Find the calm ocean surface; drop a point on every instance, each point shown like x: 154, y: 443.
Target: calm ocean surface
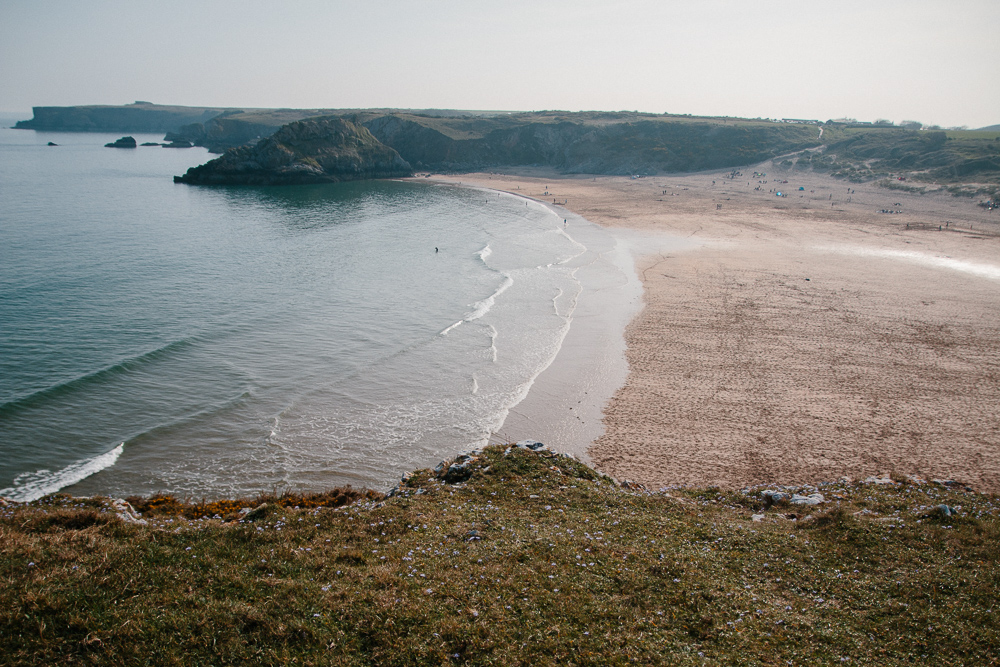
x: 219, y: 341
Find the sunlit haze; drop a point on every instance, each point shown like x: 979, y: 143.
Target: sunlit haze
x: 923, y: 60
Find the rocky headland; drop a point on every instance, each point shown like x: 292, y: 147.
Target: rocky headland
x: 136, y: 117
x: 320, y: 150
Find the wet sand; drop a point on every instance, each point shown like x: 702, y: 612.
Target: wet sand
x: 797, y: 339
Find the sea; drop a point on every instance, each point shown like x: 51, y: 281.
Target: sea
x: 215, y: 342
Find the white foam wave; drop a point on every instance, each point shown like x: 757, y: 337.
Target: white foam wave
x: 275, y: 427
x: 582, y: 248
x: 34, y: 485
x: 480, y: 308
x: 484, y: 306
x: 493, y: 344
x: 485, y: 252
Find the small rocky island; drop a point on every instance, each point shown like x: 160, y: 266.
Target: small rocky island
x: 124, y: 142
x: 317, y: 150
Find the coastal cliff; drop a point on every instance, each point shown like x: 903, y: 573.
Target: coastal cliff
x: 136, y: 117
x: 319, y: 150
x: 386, y: 145
x: 587, y: 142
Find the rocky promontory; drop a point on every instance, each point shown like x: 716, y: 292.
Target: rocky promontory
x: 318, y: 150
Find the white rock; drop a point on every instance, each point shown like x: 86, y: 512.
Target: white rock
x: 126, y: 512
x: 533, y: 445
x: 811, y: 499
x: 757, y: 517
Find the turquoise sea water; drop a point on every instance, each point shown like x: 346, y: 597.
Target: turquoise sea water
x: 218, y: 341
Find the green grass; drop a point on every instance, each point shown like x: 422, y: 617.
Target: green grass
x: 535, y: 559
x: 934, y: 156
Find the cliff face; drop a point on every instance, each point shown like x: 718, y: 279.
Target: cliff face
x: 320, y: 150
x: 222, y: 133
x: 575, y: 144
x: 138, y: 117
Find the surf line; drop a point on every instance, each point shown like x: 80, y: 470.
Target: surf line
x: 480, y: 308
x: 34, y: 485
x: 484, y: 306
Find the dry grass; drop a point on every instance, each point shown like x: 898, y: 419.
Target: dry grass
x: 535, y: 559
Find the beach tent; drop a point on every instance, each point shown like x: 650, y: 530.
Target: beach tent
x: 801, y: 188
x: 779, y: 194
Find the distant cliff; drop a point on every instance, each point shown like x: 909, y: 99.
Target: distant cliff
x: 138, y: 117
x: 318, y: 150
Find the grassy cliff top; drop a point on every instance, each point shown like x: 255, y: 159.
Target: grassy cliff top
x: 533, y: 558
x: 473, y: 126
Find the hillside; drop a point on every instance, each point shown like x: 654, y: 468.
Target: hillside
x: 509, y: 556
x: 621, y: 143
x: 929, y: 156
x: 588, y: 142
x: 572, y: 143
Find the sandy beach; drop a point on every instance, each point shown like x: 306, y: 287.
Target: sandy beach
x: 796, y: 339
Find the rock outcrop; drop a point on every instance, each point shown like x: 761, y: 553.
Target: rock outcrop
x: 124, y: 142
x: 318, y: 150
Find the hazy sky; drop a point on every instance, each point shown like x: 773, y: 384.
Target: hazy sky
x: 931, y: 61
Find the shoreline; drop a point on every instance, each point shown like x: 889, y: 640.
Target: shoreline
x: 809, y: 338
x: 562, y: 405
x: 727, y: 382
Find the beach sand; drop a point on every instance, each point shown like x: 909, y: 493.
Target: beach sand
x: 797, y: 339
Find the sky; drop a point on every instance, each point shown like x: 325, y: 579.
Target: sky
x: 932, y: 61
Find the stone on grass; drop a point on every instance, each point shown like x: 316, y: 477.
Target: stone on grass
x: 811, y: 499
x: 126, y: 512
x: 944, y: 511
x: 879, y: 479
x: 533, y: 445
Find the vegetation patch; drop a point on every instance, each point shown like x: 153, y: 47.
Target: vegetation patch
x: 863, y: 154
x: 534, y: 558
x: 890, y: 184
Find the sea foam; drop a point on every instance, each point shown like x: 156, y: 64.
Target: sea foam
x: 480, y: 308
x: 34, y: 485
